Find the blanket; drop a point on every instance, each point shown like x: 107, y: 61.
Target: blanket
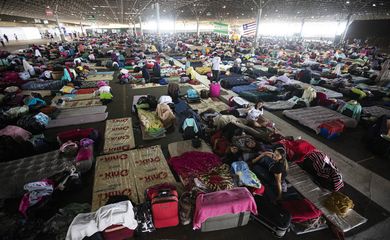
x: 192, y: 164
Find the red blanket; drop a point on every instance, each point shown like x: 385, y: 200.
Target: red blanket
x: 301, y: 210
x: 297, y: 150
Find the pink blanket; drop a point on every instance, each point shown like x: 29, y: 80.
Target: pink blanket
x: 220, y: 203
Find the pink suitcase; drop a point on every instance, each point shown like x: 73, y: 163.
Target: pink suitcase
x: 215, y: 89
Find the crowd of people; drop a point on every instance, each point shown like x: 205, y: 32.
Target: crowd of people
x: 240, y: 136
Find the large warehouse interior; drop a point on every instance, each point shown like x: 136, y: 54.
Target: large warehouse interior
x: 194, y: 119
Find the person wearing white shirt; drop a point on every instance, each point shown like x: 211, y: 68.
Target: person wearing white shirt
x: 215, y: 67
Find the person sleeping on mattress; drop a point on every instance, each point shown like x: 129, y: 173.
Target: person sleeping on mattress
x: 252, y: 113
x: 271, y: 168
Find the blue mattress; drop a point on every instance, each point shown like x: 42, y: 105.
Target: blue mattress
x: 239, y: 89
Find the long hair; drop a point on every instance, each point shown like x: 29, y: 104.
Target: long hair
x: 283, y: 153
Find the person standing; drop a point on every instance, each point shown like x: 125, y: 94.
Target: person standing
x: 6, y: 38
x: 16, y: 37
x: 2, y: 41
x: 215, y: 67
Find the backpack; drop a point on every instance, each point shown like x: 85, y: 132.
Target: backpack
x: 173, y: 91
x: 204, y: 93
x: 190, y: 124
x: 192, y: 96
x: 189, y: 129
x: 149, y: 102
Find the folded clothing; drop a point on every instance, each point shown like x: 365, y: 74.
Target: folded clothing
x: 86, y: 224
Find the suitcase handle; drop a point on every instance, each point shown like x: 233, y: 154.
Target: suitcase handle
x: 164, y: 192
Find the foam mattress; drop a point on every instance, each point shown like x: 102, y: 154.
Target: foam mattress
x: 313, y: 117
x: 15, y: 174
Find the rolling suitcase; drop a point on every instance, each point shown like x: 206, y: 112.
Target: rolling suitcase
x: 223, y: 209
x: 117, y: 232
x: 215, y: 89
x: 164, y: 205
x: 272, y: 216
x: 331, y: 129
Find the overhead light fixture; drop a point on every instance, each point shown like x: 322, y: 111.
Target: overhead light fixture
x: 93, y: 8
x: 276, y: 10
x: 227, y: 13
x: 298, y: 12
x: 182, y: 10
x: 223, y: 6
x: 374, y: 5
x: 347, y: 2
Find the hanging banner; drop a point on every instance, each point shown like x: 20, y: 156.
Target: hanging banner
x: 221, y: 28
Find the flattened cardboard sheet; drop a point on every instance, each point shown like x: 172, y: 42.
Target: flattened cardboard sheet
x: 113, y: 176
x: 119, y: 135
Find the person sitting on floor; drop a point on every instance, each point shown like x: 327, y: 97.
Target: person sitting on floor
x: 272, y: 167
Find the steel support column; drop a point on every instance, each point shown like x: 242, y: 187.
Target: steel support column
x: 342, y: 39
x: 158, y: 18
x: 259, y: 12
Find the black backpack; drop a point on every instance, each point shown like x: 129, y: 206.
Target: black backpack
x: 189, y: 133
x: 204, y: 93
x: 150, y: 100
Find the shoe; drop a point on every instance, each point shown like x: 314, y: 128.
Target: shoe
x: 386, y: 137
x: 185, y: 208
